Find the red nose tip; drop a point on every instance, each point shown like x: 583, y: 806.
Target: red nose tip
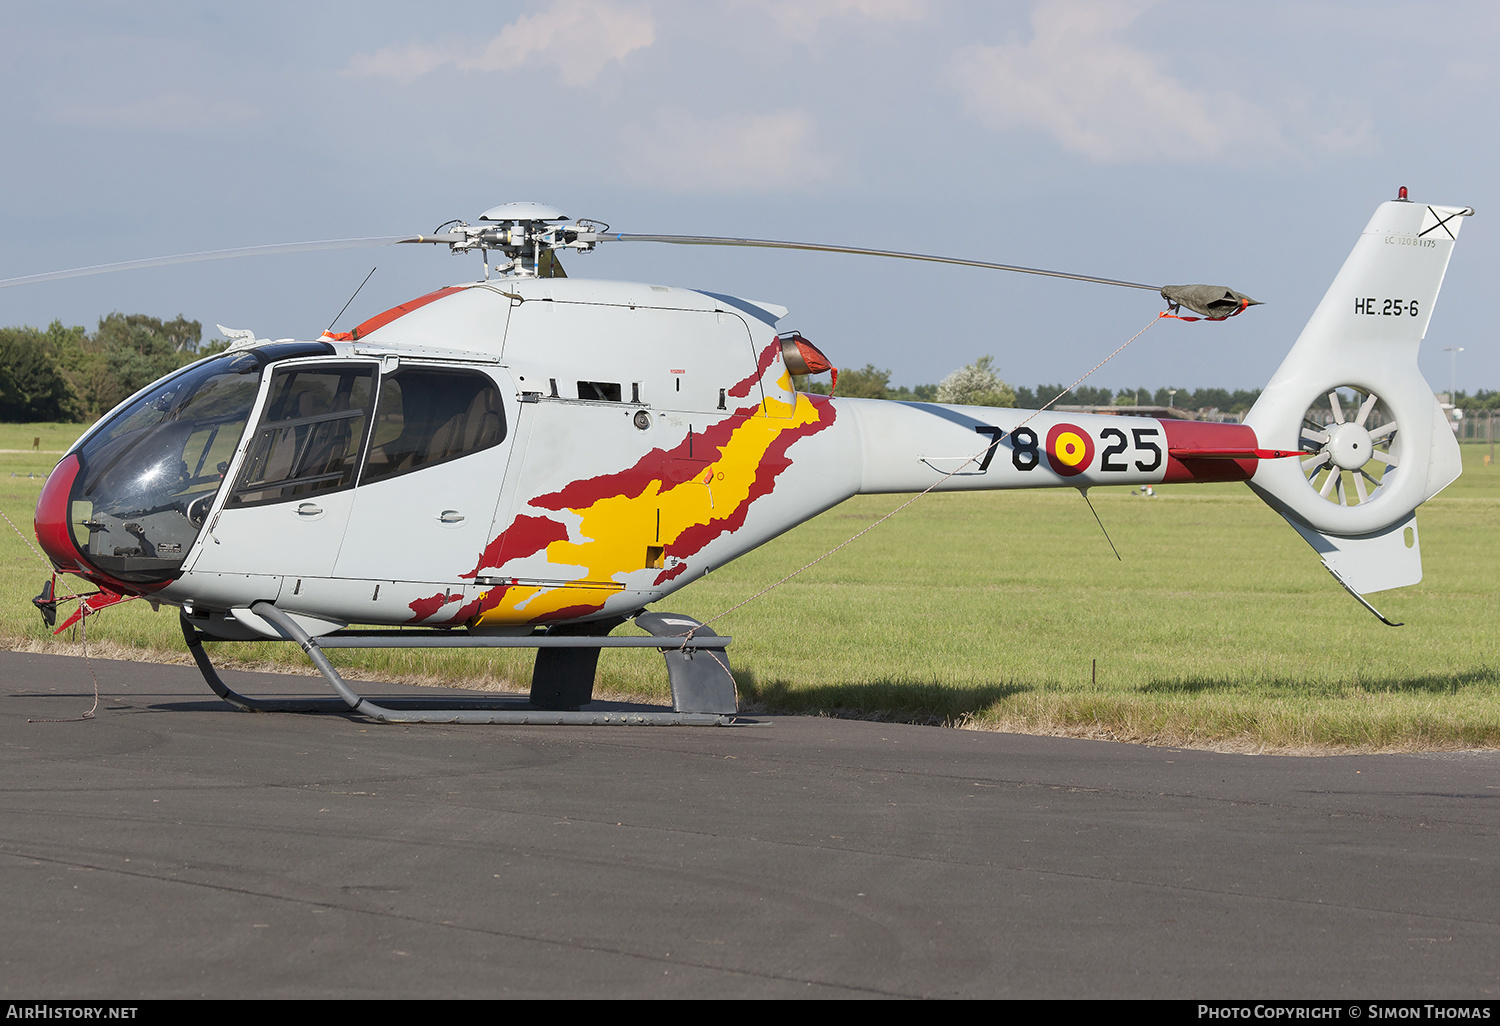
x: 51, y: 522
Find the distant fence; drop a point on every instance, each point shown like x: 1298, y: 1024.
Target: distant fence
x: 1321, y: 417
x: 1477, y: 427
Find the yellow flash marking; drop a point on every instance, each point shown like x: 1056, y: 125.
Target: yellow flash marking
x: 614, y: 531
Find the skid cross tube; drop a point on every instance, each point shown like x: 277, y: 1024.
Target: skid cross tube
x: 445, y: 710
x: 409, y: 639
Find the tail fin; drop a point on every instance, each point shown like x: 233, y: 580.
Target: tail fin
x: 1374, y: 458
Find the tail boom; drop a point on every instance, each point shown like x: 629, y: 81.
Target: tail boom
x: 908, y: 447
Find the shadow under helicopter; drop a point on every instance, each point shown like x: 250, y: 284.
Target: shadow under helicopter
x: 940, y: 704
x: 889, y: 701
x: 926, y: 703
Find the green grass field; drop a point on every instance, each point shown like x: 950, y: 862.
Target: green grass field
x: 1220, y: 628
x: 49, y: 438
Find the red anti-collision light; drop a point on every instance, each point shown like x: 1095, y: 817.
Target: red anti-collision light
x: 51, y: 523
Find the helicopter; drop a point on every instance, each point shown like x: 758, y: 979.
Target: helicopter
x: 530, y: 459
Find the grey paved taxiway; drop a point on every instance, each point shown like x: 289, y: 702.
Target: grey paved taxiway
x: 174, y: 847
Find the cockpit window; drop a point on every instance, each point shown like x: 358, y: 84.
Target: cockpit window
x: 429, y: 416
x: 151, y: 471
x: 310, y: 436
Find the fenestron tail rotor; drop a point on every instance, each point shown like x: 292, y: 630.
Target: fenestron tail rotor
x: 1350, y: 452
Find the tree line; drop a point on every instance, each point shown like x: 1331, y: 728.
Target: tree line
x: 68, y: 374
x: 1483, y: 399
x: 979, y: 384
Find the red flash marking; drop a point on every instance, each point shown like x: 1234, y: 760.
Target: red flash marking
x: 483, y: 604
x: 652, y: 468
x: 422, y: 608
x: 569, y: 612
x: 770, y: 467
x: 669, y: 575
x: 528, y: 534
x: 525, y: 536
x: 767, y: 357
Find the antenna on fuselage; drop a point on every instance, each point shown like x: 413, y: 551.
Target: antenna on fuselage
x: 1085, y: 493
x: 351, y: 299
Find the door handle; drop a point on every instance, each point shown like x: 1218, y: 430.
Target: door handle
x: 309, y: 510
x: 450, y: 517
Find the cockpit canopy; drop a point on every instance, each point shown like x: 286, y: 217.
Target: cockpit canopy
x: 148, y: 474
x: 134, y: 495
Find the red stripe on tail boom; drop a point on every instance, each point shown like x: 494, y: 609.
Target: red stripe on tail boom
x: 1211, y: 446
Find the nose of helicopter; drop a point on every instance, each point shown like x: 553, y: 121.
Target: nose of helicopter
x: 53, y: 532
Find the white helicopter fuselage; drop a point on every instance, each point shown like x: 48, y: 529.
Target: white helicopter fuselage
x: 534, y: 451
x: 639, y: 436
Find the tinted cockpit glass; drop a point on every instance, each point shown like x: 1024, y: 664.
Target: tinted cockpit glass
x: 150, y: 473
x: 310, y: 436
x: 429, y: 416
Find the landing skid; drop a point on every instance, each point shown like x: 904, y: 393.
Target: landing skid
x: 703, y: 692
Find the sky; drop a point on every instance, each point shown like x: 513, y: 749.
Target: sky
x: 1243, y: 144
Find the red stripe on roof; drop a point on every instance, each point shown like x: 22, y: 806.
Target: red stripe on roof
x: 380, y: 320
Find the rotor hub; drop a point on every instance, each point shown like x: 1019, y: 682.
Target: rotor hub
x: 1349, y: 446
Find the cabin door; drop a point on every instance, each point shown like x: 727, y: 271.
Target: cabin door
x: 431, y: 478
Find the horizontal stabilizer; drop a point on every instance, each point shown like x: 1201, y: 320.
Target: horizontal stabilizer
x: 1391, y: 558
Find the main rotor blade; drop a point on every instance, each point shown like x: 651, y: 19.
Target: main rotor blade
x: 216, y: 254
x: 714, y: 240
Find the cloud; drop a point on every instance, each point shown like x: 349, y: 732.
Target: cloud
x: 734, y: 153
x: 1099, y: 96
x: 405, y: 64
x: 801, y: 19
x: 580, y: 37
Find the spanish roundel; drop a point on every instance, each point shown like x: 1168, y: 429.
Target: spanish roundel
x: 1070, y: 450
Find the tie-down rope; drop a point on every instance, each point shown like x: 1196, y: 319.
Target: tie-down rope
x: 83, y: 632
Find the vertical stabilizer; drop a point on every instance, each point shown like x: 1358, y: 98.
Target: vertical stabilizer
x: 1350, y: 396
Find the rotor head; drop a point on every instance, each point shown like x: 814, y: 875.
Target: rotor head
x: 527, y: 233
